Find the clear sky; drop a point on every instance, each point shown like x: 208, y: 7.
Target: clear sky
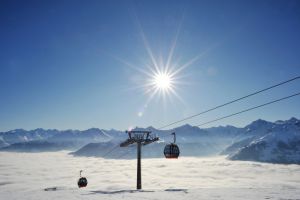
x: 80, y: 64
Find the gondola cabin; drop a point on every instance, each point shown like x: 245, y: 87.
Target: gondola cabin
x: 172, y: 150
x: 82, y: 181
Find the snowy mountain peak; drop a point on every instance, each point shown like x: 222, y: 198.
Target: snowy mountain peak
x: 19, y: 130
x: 151, y: 128
x: 92, y: 130
x: 188, y: 128
x: 259, y: 123
x: 293, y: 120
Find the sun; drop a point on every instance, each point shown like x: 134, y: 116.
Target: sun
x: 162, y: 75
x: 162, y: 81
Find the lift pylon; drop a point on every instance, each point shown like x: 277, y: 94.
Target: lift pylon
x: 140, y: 138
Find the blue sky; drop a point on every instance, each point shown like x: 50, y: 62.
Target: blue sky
x: 63, y: 63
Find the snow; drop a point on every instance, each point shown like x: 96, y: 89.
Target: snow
x: 27, y: 175
x: 272, y: 151
x: 107, y: 135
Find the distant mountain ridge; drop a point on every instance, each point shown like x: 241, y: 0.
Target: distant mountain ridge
x: 276, y: 142
x: 23, y: 140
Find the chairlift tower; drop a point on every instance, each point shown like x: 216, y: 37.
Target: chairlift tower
x: 140, y: 138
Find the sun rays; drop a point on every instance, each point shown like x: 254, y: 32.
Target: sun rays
x: 161, y: 77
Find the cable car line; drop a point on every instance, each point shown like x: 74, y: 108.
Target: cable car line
x: 124, y: 154
x: 110, y: 151
x: 252, y: 108
x: 175, y: 151
x: 230, y: 102
x: 222, y: 105
x: 171, y: 150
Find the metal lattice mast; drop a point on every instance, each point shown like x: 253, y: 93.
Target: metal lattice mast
x: 140, y: 138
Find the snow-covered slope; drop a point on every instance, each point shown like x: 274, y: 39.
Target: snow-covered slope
x: 280, y: 143
x: 3, y: 143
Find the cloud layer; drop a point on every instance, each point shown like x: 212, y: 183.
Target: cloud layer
x: 26, y: 175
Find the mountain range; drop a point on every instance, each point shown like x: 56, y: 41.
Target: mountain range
x: 263, y: 141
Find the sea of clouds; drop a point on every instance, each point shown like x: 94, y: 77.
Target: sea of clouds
x: 27, y: 175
